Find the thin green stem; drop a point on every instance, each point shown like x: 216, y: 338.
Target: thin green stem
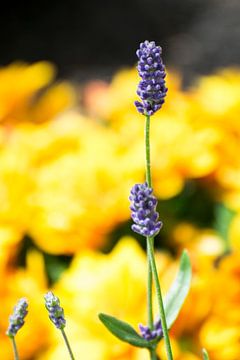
x: 147, y: 148
x: 67, y: 344
x: 149, y: 182
x: 160, y: 301
x: 149, y: 291
x: 15, y: 351
x: 152, y: 270
x: 153, y: 354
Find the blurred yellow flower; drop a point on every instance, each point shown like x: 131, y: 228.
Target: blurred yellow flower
x: 234, y: 233
x: 64, y: 172
x: 220, y: 333
x: 30, y: 283
x: 9, y: 242
x: 81, y: 183
x: 65, y: 181
x: 20, y: 98
x: 91, y: 285
x: 114, y: 284
x: 180, y: 149
x: 15, y: 186
x: 217, y: 102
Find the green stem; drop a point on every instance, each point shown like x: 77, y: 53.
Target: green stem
x: 149, y: 291
x: 160, y: 301
x: 16, y: 357
x: 152, y: 269
x: 149, y: 182
x: 153, y: 354
x: 147, y: 147
x: 67, y: 344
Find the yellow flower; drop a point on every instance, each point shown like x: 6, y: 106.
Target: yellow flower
x: 9, y: 242
x: 15, y: 186
x: 64, y: 172
x: 18, y: 84
x: 115, y: 284
x: 80, y: 182
x: 180, y: 149
x: 217, y: 102
x: 30, y: 283
x: 220, y: 333
x: 234, y: 232
x: 204, y: 247
x: 20, y: 99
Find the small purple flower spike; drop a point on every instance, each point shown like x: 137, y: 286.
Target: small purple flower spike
x: 143, y: 207
x: 16, y: 320
x: 148, y: 334
x: 151, y: 89
x: 56, y: 312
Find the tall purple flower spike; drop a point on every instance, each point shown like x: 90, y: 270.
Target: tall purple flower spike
x: 148, y: 334
x: 16, y: 320
x: 151, y: 89
x: 143, y: 207
x: 56, y: 312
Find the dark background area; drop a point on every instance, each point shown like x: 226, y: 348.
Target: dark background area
x: 87, y: 39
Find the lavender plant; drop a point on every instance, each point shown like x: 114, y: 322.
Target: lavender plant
x: 16, y: 321
x: 56, y: 315
x: 152, y: 91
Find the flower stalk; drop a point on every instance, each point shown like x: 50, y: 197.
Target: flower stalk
x: 152, y: 91
x: 15, y: 351
x: 160, y: 300
x: 56, y: 315
x: 149, y: 182
x: 67, y: 344
x: 153, y: 354
x: 16, y: 322
x: 152, y: 269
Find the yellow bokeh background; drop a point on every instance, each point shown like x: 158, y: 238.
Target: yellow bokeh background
x: 66, y: 170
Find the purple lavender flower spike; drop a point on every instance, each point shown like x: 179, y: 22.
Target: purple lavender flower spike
x: 151, y: 89
x: 148, y: 334
x: 56, y: 312
x: 143, y: 207
x: 16, y: 320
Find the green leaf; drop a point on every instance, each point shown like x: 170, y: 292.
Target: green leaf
x: 179, y: 290
x: 205, y: 354
x: 125, y: 332
x: 223, y: 218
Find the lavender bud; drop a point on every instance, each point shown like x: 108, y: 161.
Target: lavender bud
x: 148, y: 334
x: 56, y: 312
x: 16, y: 320
x: 151, y: 89
x: 143, y: 210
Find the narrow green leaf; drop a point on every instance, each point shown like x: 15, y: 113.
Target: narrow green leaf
x: 124, y: 332
x: 223, y: 217
x: 205, y: 354
x: 179, y: 290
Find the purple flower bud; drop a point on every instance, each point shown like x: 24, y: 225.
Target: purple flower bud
x: 16, y: 320
x: 56, y: 313
x: 143, y: 210
x: 152, y: 71
x: 148, y: 334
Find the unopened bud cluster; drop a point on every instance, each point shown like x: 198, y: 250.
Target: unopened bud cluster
x: 55, y: 311
x: 16, y: 320
x: 149, y: 334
